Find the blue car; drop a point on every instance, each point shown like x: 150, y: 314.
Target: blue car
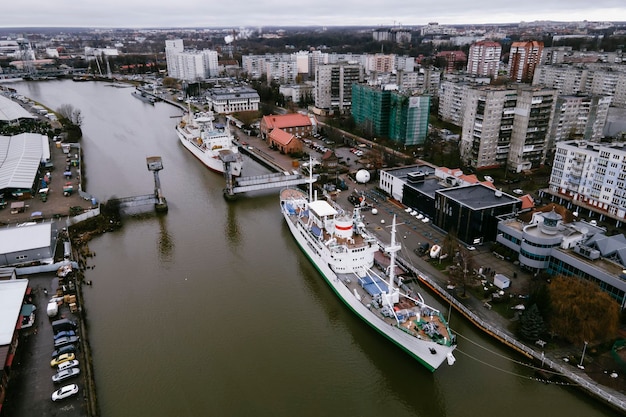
x: 67, y: 340
x: 64, y: 349
x: 64, y: 333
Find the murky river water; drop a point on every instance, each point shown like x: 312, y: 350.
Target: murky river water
x: 212, y: 309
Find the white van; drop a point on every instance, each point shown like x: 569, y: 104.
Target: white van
x: 52, y: 309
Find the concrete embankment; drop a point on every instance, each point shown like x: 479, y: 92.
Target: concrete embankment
x: 488, y: 321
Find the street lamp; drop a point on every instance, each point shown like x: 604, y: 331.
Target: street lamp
x: 583, y: 356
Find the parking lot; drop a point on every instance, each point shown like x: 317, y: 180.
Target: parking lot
x: 31, y: 387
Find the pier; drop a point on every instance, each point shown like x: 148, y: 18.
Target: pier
x: 143, y: 203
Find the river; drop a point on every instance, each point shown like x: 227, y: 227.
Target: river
x: 213, y: 310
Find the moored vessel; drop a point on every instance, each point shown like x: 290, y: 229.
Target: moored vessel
x: 211, y: 144
x: 344, y: 252
x: 143, y: 96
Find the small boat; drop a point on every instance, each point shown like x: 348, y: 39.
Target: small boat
x: 343, y: 251
x: 435, y: 251
x: 143, y: 96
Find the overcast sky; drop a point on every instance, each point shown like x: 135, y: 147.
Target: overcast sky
x: 259, y: 13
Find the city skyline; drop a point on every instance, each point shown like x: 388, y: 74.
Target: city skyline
x: 191, y: 13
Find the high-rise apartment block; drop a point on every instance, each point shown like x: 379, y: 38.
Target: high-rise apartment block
x: 387, y: 112
x: 408, y: 118
x: 524, y: 57
x: 333, y: 86
x: 595, y: 79
x: 172, y: 48
x: 579, y: 117
x: 190, y: 65
x: 592, y: 175
x: 506, y: 126
x: 484, y: 59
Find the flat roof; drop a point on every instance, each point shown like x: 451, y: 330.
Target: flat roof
x: 479, y: 196
x: 10, y: 110
x: 429, y: 186
x: 402, y: 172
x: 15, y: 239
x: 12, y: 294
x: 321, y: 208
x: 20, y: 157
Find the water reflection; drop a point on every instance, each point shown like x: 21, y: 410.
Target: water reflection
x: 164, y: 241
x: 232, y: 232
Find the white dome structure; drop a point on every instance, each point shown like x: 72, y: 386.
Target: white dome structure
x: 362, y: 176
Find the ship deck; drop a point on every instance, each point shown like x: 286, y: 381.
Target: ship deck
x: 430, y: 325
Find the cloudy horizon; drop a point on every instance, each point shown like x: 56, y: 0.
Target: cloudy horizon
x: 193, y: 14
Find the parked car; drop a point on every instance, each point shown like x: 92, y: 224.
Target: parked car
x: 62, y: 358
x: 67, y: 340
x: 64, y: 333
x: 67, y: 365
x: 64, y: 349
x: 65, y: 392
x: 65, y: 374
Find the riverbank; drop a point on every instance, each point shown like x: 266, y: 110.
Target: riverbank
x: 549, y: 360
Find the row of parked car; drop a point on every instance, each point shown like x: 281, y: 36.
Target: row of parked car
x: 64, y: 358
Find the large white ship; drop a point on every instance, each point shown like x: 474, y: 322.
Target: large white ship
x: 211, y: 145
x: 344, y: 252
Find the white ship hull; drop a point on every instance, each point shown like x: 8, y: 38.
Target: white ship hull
x: 209, y: 147
x: 429, y: 353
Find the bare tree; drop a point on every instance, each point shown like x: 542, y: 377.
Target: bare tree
x: 71, y: 114
x: 464, y: 270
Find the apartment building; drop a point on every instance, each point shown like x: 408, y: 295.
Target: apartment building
x: 506, y: 126
x: 408, y: 118
x: 397, y: 35
x: 595, y: 79
x: 283, y: 68
x: 386, y: 112
x: 452, y: 99
x: 172, y: 48
x: 524, y: 57
x: 333, y: 86
x: 579, y: 117
x: 190, y: 65
x: 592, y: 176
x: 370, y: 108
x: 484, y: 59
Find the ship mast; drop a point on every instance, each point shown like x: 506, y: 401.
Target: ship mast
x: 392, y: 249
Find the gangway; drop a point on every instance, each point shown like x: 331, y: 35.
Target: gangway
x: 265, y: 182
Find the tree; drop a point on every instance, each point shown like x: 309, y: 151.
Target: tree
x: 581, y: 311
x: 532, y: 324
x: 71, y: 119
x: 170, y: 82
x: 71, y: 114
x: 465, y: 264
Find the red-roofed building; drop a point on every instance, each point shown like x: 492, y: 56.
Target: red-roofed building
x: 294, y: 123
x: 527, y: 202
x: 453, y: 60
x: 284, y: 142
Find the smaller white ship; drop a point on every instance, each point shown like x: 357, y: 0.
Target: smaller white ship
x: 212, y: 145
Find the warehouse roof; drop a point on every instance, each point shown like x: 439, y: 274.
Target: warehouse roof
x: 20, y: 157
x: 10, y: 110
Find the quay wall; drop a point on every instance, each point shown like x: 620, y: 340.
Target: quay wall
x: 611, y: 397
